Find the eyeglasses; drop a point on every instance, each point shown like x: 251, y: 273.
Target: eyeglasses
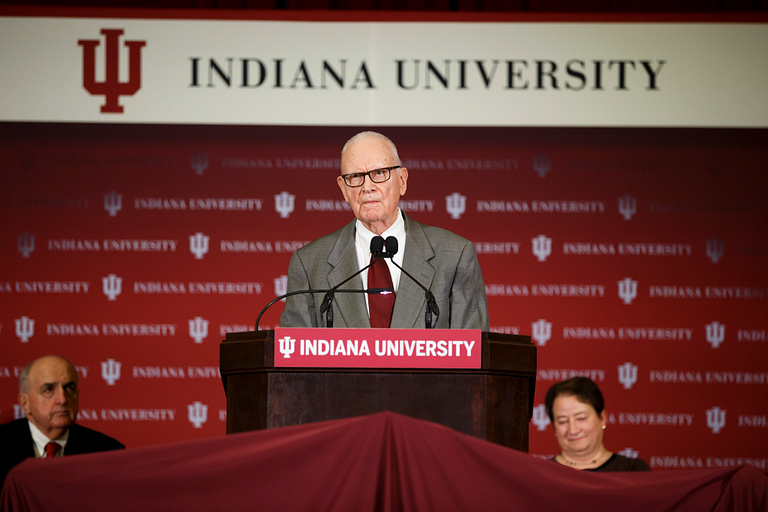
x: 356, y: 179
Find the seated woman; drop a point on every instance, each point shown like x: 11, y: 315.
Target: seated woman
x: 575, y: 407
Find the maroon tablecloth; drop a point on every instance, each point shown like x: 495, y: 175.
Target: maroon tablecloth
x: 380, y: 462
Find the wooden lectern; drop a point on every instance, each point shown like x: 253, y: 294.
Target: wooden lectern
x: 494, y: 402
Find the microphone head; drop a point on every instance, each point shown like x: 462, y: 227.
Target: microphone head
x: 377, y: 246
x: 391, y: 247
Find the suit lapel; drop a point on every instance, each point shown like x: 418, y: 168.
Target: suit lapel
x: 74, y: 441
x: 25, y: 449
x: 410, y: 296
x: 349, y: 307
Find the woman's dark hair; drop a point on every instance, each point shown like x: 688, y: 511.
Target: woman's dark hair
x: 583, y: 388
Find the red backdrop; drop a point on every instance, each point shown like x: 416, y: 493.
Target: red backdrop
x: 684, y: 398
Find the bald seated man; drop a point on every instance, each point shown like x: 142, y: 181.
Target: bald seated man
x: 372, y: 181
x: 49, y: 395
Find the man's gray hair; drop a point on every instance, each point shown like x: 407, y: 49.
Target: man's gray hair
x: 24, y: 377
x: 366, y: 134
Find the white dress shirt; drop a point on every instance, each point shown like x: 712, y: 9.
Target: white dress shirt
x: 41, y: 440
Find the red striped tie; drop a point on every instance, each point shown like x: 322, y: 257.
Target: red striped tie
x: 380, y: 305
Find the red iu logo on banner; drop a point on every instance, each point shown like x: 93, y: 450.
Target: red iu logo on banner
x: 111, y: 88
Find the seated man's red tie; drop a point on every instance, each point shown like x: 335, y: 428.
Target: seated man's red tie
x: 51, y: 449
x: 380, y: 305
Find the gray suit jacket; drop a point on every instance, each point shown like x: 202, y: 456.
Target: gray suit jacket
x: 440, y: 260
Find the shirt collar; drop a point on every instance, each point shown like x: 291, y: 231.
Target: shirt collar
x: 41, y: 439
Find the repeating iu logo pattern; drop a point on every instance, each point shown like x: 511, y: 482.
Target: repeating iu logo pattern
x: 716, y: 419
x: 199, y: 162
x: 110, y: 371
x: 113, y: 203
x: 628, y: 375
x: 112, y: 286
x: 542, y: 247
x: 627, y: 207
x: 25, y: 243
x: 540, y: 417
x: 198, y: 329
x: 455, y: 205
x: 25, y: 328
x: 197, y: 413
x: 715, y: 249
x: 541, y: 164
x: 629, y: 453
x: 284, y: 204
x: 281, y: 285
x: 715, y: 333
x: 18, y: 412
x: 111, y: 88
x: 627, y: 290
x: 198, y: 245
x: 541, y: 331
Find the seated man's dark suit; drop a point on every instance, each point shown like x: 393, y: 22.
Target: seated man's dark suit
x: 440, y: 260
x: 16, y: 443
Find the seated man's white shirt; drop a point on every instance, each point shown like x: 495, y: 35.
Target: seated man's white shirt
x: 41, y: 440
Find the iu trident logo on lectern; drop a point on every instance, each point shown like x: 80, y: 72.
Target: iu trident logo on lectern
x: 111, y: 88
x: 287, y: 346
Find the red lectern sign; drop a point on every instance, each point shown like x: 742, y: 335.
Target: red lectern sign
x: 377, y: 348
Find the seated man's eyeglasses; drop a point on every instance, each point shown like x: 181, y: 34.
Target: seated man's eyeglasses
x: 356, y: 179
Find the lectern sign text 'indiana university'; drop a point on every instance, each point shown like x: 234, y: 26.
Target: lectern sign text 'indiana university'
x: 377, y: 348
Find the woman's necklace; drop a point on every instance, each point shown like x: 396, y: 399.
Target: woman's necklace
x: 571, y: 463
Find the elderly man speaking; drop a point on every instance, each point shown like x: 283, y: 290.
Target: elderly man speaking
x: 372, y: 181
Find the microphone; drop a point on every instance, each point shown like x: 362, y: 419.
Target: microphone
x: 390, y: 247
x: 377, y: 246
x: 390, y: 251
x: 377, y: 249
x: 370, y: 291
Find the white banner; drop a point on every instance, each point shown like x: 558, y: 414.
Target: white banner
x: 383, y: 73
